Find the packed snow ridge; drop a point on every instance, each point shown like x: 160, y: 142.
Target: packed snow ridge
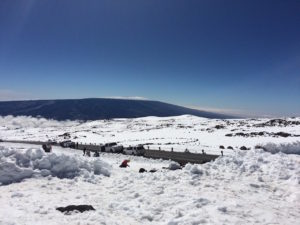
x: 17, y: 165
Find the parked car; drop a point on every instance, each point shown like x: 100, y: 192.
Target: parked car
x: 102, y: 148
x: 113, y: 147
x: 67, y: 144
x: 52, y: 142
x: 136, y: 150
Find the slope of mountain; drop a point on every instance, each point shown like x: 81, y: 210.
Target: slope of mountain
x: 97, y: 108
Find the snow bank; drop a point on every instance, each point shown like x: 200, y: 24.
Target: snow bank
x: 266, y: 167
x: 288, y: 148
x: 18, y: 165
x: 174, y: 166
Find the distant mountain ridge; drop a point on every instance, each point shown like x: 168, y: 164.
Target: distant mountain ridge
x: 97, y: 108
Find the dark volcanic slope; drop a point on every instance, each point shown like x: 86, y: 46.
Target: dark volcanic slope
x: 97, y: 108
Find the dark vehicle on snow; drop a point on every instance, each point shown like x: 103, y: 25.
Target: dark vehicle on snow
x: 67, y: 144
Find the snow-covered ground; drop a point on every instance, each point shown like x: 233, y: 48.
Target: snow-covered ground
x: 242, y: 187
x: 179, y: 132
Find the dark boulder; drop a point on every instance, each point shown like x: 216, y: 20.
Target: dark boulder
x: 79, y: 208
x: 142, y: 170
x: 282, y: 134
x: 219, y: 126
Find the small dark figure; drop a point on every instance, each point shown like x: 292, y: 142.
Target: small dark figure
x: 124, y: 164
x: 203, y: 152
x: 84, y: 150
x: 96, y: 154
x: 77, y: 145
x: 47, y: 147
x: 88, y: 153
x: 222, y: 153
x: 142, y: 170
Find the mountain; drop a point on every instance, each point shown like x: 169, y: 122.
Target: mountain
x: 97, y: 108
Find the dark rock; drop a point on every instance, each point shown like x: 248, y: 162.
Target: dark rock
x: 152, y: 170
x: 222, y: 147
x: 283, y: 134
x: 142, y: 170
x: 277, y: 122
x: 229, y: 147
x: 219, y: 126
x: 243, y: 148
x: 79, y: 208
x: 262, y: 133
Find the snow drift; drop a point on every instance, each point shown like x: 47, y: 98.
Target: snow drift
x: 288, y: 148
x: 18, y: 165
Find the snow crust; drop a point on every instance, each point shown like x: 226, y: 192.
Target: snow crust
x: 18, y: 165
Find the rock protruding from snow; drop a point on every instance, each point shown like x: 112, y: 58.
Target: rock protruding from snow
x: 76, y: 208
x: 18, y: 165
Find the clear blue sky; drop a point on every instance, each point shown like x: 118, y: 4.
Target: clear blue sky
x: 239, y: 55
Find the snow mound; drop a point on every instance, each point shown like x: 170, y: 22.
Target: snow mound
x: 288, y: 148
x: 174, y: 166
x: 263, y: 166
x: 18, y: 165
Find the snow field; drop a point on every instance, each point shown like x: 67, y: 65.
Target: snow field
x: 245, y: 187
x: 179, y: 132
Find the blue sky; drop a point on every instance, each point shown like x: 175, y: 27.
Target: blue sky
x: 240, y: 56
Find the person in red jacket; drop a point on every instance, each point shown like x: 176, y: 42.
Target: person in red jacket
x: 124, y: 164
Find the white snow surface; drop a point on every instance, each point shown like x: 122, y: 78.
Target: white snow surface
x: 242, y: 187
x: 18, y: 165
x: 245, y: 187
x: 179, y: 133
x: 288, y: 148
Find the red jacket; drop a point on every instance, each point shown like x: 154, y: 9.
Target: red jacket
x: 125, y: 163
